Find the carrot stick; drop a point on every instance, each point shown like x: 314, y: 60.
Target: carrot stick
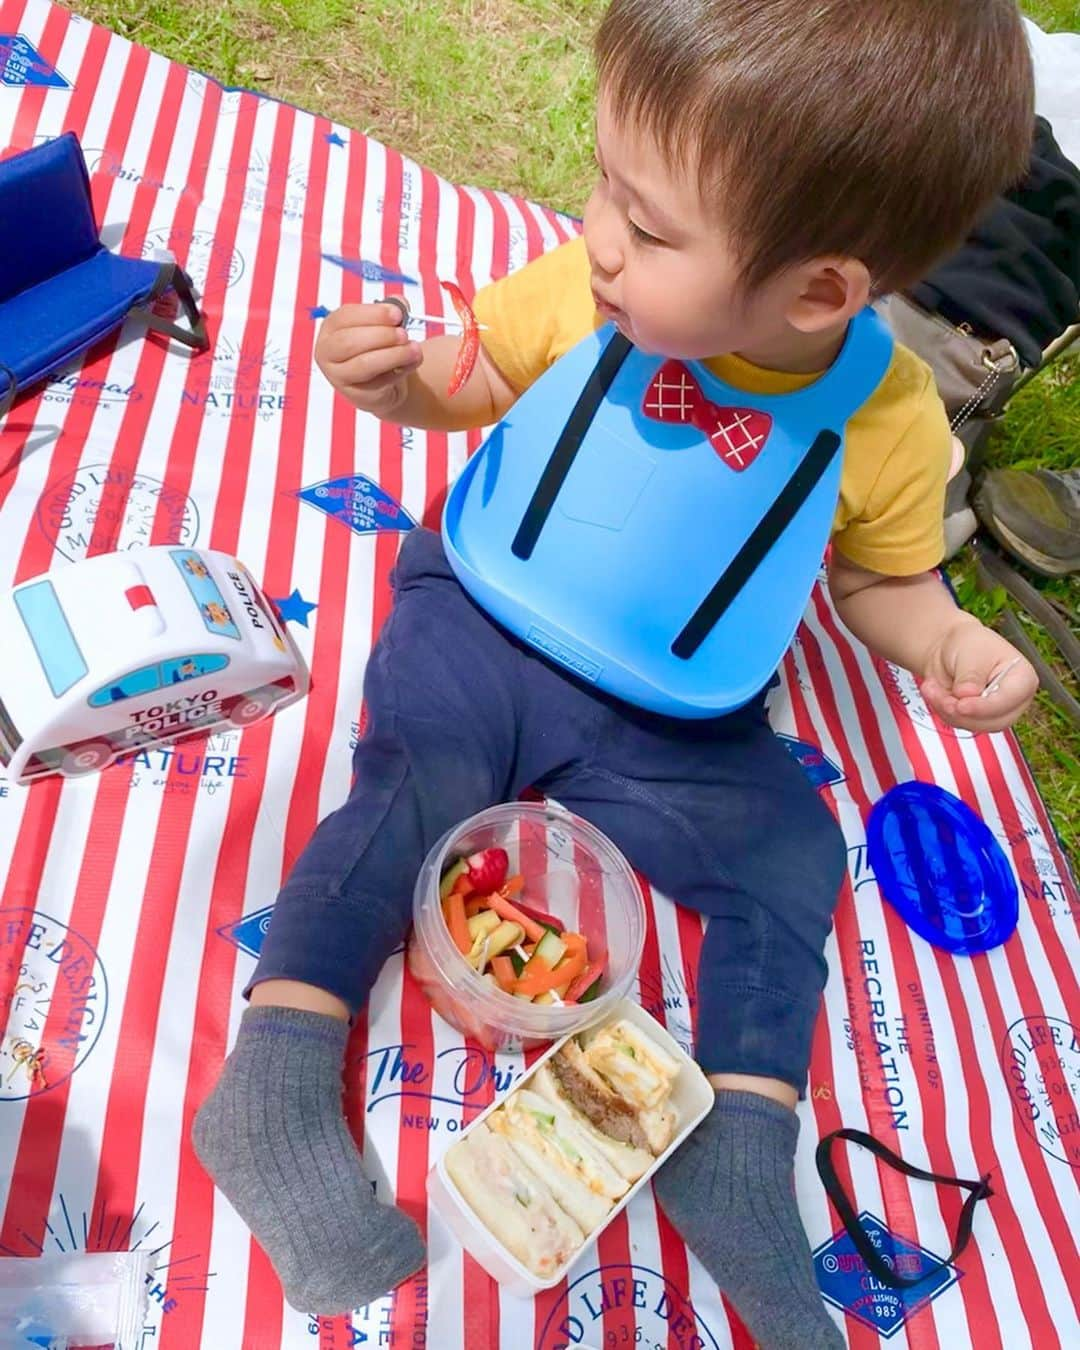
x: 505, y: 910
x: 503, y: 970
x: 548, y: 920
x: 585, y: 980
x: 475, y: 903
x: 454, y: 909
x: 470, y: 340
x: 540, y: 981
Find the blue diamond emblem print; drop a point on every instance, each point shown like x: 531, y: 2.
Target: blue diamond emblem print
x: 369, y: 270
x: 22, y: 64
x: 359, y: 503
x: 813, y: 761
x: 248, y: 933
x: 848, y: 1285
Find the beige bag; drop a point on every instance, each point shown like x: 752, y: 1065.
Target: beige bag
x: 974, y: 376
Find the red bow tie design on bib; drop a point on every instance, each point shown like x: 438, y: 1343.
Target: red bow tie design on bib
x: 738, y: 435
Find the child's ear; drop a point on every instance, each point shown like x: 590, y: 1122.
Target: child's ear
x: 828, y: 291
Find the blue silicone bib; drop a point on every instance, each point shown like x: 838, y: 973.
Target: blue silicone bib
x: 652, y: 557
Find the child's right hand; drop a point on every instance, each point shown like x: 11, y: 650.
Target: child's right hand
x: 366, y: 354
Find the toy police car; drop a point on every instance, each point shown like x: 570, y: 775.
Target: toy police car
x: 123, y: 651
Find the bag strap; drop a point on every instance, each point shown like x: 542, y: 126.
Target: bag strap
x: 980, y: 1190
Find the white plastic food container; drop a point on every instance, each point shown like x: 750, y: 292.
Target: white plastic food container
x: 691, y: 1098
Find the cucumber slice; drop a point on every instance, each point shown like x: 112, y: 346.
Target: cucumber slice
x: 550, y: 950
x: 547, y: 954
x: 480, y: 925
x: 516, y: 962
x: 450, y: 876
x: 592, y: 991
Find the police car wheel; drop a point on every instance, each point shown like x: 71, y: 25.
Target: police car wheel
x: 87, y: 758
x: 252, y: 707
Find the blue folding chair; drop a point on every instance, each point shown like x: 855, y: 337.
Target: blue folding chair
x: 61, y: 290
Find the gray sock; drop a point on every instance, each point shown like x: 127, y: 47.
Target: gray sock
x: 730, y: 1192
x: 273, y: 1136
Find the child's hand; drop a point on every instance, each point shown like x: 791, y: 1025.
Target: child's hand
x: 365, y: 353
x: 967, y: 659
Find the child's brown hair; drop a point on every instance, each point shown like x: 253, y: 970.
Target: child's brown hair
x: 871, y: 129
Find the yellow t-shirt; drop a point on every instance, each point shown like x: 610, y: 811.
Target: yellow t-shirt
x: 898, y: 446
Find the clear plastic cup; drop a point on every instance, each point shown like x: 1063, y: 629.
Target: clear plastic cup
x: 572, y: 872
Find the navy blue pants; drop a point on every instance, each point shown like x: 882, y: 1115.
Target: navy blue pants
x: 715, y: 813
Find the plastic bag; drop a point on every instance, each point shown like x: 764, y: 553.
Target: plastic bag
x: 79, y: 1301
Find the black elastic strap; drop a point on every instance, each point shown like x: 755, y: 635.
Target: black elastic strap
x: 767, y: 531
x: 174, y: 278
x: 7, y: 398
x: 567, y: 446
x: 980, y: 1190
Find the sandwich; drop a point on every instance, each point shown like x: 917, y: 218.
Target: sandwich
x: 624, y: 1118
x: 547, y: 1167
x: 549, y: 1141
x: 635, y: 1066
x: 512, y: 1202
x: 628, y: 1160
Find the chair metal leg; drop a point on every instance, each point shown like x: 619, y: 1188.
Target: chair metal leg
x: 993, y: 571
x: 173, y: 278
x: 7, y: 398
x: 1058, y: 347
x: 1013, y: 629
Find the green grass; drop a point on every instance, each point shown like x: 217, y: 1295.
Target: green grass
x: 1041, y: 430
x: 1061, y: 16
x: 492, y: 92
x: 499, y: 93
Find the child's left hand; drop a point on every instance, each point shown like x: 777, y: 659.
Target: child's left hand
x: 969, y: 657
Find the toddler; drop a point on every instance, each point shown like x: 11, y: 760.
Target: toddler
x: 764, y: 169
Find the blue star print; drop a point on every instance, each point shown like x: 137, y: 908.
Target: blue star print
x: 294, y: 608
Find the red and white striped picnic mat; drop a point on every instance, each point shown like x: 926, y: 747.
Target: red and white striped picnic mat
x: 123, y: 938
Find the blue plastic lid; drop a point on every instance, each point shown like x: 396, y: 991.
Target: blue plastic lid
x: 941, y: 869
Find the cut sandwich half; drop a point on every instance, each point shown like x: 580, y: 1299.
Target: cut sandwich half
x: 629, y: 1161
x: 635, y: 1066
x: 607, y: 1108
x: 553, y: 1145
x: 512, y: 1202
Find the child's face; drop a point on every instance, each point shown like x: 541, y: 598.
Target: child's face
x: 662, y: 269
